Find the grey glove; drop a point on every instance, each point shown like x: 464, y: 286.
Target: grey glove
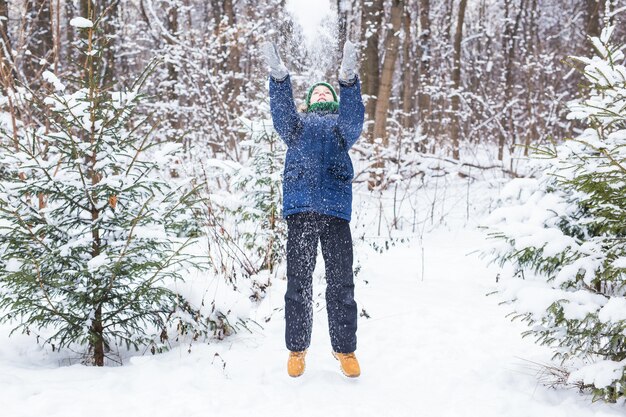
x: 347, y: 72
x: 277, y: 69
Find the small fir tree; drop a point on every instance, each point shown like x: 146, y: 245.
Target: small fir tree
x: 564, y: 235
x: 93, y: 235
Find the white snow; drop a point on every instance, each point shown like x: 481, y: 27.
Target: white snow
x: 97, y: 262
x: 81, y: 22
x: 614, y: 310
x: 123, y: 98
x: 51, y: 78
x: 318, y: 20
x: 620, y: 262
x: 150, y: 232
x: 601, y: 373
x: 310, y: 15
x: 434, y: 345
x: 430, y: 342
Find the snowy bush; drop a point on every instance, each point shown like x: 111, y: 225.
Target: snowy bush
x: 260, y: 179
x: 563, y: 235
x: 92, y: 234
x: 248, y: 210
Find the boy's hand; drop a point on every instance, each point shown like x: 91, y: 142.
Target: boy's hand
x: 347, y: 72
x: 277, y: 69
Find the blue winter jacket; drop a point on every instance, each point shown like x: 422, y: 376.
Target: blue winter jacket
x: 318, y: 170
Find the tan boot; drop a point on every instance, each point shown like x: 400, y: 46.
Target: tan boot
x: 349, y: 364
x: 295, y: 364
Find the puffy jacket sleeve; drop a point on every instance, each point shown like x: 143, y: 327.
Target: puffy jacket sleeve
x: 351, y: 112
x: 286, y: 119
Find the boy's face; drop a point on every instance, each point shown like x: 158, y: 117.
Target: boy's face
x: 321, y: 93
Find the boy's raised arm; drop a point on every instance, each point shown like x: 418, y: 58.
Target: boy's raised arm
x: 351, y: 108
x: 285, y: 117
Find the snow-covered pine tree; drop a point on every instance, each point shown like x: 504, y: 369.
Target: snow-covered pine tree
x: 93, y: 235
x: 564, y: 235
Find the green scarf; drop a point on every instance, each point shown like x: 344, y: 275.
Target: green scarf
x: 324, y: 106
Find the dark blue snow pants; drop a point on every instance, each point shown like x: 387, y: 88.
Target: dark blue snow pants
x: 304, y: 231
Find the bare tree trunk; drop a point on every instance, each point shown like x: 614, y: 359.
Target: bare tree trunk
x: 86, y: 10
x: 533, y: 48
x: 232, y: 66
x: 456, y: 81
x: 447, y: 23
x: 372, y: 15
x: 4, y: 28
x: 342, y: 25
x: 386, y: 77
x: 216, y: 10
x: 439, y: 111
x: 593, y: 19
x: 509, y: 40
x: 533, y: 40
x: 392, y: 43
x: 408, y: 69
x: 39, y: 41
x: 423, y: 97
x: 475, y: 68
x: 57, y: 34
x: 172, y: 79
x: 8, y: 72
x: 234, y: 54
x: 68, y: 54
x: 172, y: 29
x: 6, y: 60
x: 609, y: 9
x: 111, y: 25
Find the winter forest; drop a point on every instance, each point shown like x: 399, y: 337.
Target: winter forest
x: 149, y: 155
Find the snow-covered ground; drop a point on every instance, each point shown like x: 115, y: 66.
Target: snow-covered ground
x: 434, y: 345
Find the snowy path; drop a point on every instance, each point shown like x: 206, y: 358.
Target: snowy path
x: 433, y: 347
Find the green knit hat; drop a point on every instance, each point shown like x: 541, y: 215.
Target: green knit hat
x: 324, y: 105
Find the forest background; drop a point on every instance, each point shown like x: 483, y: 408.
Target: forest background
x: 448, y: 78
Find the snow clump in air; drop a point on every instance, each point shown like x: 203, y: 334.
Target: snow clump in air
x: 81, y: 22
